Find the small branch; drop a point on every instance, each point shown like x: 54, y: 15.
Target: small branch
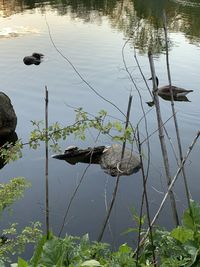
x: 145, y: 196
x: 46, y: 162
x: 78, y: 73
x: 142, y: 74
x: 162, y: 139
x: 151, y: 134
x: 71, y: 200
x: 174, y: 113
x: 141, y: 104
x: 117, y: 179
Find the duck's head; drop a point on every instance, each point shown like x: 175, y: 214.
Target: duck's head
x: 157, y: 81
x: 38, y: 56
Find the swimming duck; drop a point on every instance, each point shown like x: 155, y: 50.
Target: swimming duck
x: 165, y: 90
x: 35, y: 59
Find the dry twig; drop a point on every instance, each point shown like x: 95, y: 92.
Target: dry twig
x: 117, y: 178
x: 46, y: 162
x: 174, y: 112
x: 162, y: 139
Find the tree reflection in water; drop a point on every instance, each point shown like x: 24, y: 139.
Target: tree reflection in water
x: 139, y: 20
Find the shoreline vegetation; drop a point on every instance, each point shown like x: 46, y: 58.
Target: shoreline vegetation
x: 154, y: 246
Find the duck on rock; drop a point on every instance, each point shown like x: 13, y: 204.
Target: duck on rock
x: 35, y: 58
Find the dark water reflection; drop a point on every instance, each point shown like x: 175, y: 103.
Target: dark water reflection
x: 139, y: 19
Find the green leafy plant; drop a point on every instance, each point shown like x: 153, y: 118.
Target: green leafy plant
x: 181, y: 246
x: 56, y: 132
x: 178, y: 248
x: 10, y: 192
x: 14, y: 242
x: 78, y: 252
x: 11, y: 241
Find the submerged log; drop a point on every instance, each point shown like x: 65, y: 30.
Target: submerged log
x: 108, y: 158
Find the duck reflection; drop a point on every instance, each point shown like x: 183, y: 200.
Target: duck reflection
x: 4, y: 141
x: 182, y: 98
x: 168, y: 98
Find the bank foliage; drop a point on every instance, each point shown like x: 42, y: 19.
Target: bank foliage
x: 180, y: 247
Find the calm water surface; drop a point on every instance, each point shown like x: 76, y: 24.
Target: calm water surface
x: 92, y: 37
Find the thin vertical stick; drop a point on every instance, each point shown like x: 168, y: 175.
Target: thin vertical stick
x: 46, y: 162
x: 144, y: 196
x: 162, y: 139
x: 174, y: 113
x: 118, y: 177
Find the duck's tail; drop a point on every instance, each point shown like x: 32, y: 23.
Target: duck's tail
x: 184, y: 92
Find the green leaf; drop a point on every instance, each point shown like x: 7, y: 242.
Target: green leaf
x: 91, y: 263
x: 193, y: 251
x: 118, y: 126
x: 124, y: 248
x: 22, y: 263
x: 182, y: 234
x: 38, y: 251
x: 131, y: 230
x: 191, y: 220
x: 53, y: 251
x: 2, y: 264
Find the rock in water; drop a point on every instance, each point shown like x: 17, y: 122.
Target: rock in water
x: 8, y: 118
x: 110, y: 161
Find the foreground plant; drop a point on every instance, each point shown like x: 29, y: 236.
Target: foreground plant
x: 177, y: 248
x: 77, y: 252
x: 11, y: 241
x: 180, y: 247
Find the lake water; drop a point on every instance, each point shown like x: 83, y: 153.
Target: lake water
x: 91, y: 36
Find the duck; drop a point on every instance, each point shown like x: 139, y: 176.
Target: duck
x: 165, y: 90
x: 35, y: 59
